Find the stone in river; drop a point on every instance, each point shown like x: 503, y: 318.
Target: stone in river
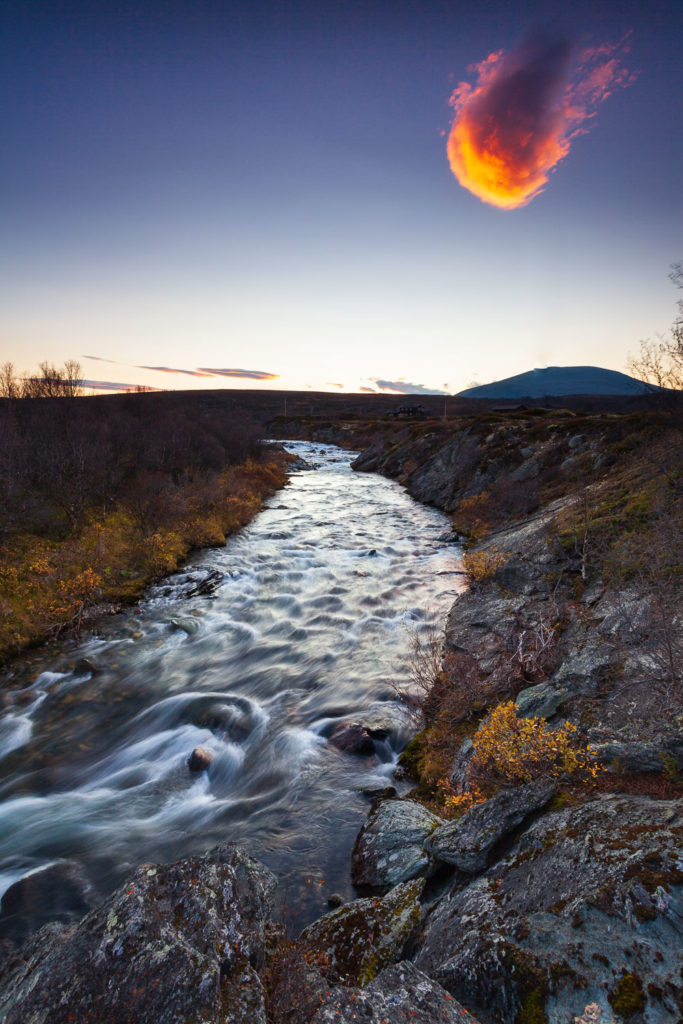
x: 200, y: 759
x: 352, y: 739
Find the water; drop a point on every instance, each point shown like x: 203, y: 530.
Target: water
x: 309, y: 626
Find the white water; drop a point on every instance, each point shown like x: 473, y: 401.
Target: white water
x: 310, y: 625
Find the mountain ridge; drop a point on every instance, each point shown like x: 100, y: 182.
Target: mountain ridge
x: 559, y: 380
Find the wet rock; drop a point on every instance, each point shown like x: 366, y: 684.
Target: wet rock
x: 398, y: 994
x: 189, y: 626
x: 467, y: 842
x: 377, y: 796
x: 200, y: 759
x: 335, y: 900
x: 84, y: 666
x: 355, y: 942
x: 541, y: 701
x: 352, y: 739
x: 390, y: 848
x: 58, y: 892
x: 178, y: 942
x: 587, y: 892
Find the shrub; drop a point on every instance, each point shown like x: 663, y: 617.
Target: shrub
x: 510, y: 751
x: 483, y: 565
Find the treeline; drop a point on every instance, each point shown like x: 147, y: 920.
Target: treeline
x: 50, y: 382
x: 100, y: 495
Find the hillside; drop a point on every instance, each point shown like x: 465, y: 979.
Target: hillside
x: 559, y: 380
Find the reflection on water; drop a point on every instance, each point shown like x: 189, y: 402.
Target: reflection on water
x: 309, y: 626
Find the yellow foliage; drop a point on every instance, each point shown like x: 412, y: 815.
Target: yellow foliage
x: 47, y: 585
x: 484, y: 564
x: 511, y: 750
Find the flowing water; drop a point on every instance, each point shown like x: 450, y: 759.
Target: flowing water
x: 309, y: 627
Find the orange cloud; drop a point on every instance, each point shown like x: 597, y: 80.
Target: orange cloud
x: 518, y: 120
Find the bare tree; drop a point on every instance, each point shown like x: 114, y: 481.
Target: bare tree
x: 660, y: 362
x: 9, y: 385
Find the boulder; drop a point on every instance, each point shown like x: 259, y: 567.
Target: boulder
x: 467, y: 842
x: 630, y: 756
x: 354, y: 943
x: 352, y: 739
x: 587, y: 893
x: 56, y: 892
x: 200, y: 759
x: 177, y: 942
x: 398, y: 994
x: 541, y: 701
x: 389, y: 849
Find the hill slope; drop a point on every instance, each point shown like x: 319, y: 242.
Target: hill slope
x: 559, y: 380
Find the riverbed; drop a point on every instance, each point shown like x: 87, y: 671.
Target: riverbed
x: 255, y: 651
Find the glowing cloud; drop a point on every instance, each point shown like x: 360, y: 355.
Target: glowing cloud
x: 246, y: 374
x: 515, y: 124
x: 173, y: 369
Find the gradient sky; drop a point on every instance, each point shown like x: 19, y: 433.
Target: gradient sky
x: 265, y: 187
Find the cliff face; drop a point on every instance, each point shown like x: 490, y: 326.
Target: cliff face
x: 574, y: 613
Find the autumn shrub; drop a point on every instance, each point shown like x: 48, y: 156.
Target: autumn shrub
x: 509, y: 750
x: 483, y: 565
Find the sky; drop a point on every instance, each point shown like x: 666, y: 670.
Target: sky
x: 337, y: 196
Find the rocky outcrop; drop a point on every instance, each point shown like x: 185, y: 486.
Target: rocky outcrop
x: 399, y: 994
x: 390, y: 847
x: 354, y: 943
x: 467, y: 842
x: 588, y: 895
x: 179, y: 942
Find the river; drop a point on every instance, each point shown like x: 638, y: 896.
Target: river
x: 310, y: 625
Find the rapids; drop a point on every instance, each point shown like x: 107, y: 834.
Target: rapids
x: 310, y: 625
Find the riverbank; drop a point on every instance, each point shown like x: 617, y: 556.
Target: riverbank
x: 556, y: 898
x: 51, y: 586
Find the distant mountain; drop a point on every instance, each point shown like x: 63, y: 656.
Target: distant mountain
x: 559, y: 380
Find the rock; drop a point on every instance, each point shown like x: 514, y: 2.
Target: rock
x: 189, y: 626
x: 587, y: 892
x: 352, y: 739
x: 200, y: 759
x: 178, y: 942
x: 398, y: 994
x: 84, y: 667
x: 467, y: 842
x: 335, y: 900
x: 57, y: 892
x: 576, y: 441
x: 380, y: 794
x: 527, y: 471
x: 354, y: 943
x: 630, y: 757
x: 390, y: 847
x: 541, y: 701
x: 458, y: 773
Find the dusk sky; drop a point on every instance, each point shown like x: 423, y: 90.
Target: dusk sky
x: 326, y: 195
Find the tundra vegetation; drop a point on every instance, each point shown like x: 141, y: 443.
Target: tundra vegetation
x: 100, y: 496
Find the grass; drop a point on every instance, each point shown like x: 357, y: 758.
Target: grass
x: 48, y: 585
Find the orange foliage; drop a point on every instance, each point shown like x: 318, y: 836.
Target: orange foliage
x: 510, y: 751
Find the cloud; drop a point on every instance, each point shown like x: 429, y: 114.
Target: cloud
x: 332, y: 384
x: 370, y: 391
x: 99, y: 359
x: 109, y: 385
x: 173, y: 369
x: 403, y: 387
x: 518, y: 120
x: 243, y: 374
